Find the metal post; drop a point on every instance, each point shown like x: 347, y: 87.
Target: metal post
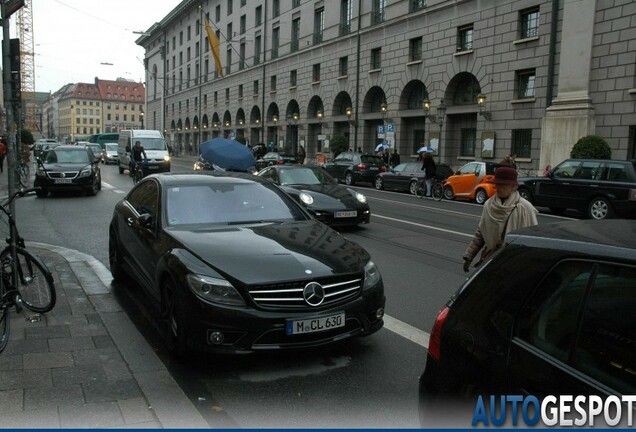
x: 8, y: 105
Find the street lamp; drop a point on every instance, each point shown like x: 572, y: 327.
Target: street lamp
x: 383, y: 110
x: 481, y: 104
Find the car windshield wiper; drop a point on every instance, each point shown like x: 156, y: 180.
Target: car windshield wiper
x: 252, y: 222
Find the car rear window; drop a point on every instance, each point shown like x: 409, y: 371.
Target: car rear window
x: 288, y: 158
x: 369, y: 159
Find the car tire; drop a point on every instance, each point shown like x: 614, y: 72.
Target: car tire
x: 378, y: 183
x: 448, y: 193
x: 525, y: 193
x: 175, y: 319
x: 481, y: 196
x: 600, y: 208
x: 413, y: 187
x: 42, y: 193
x: 121, y: 170
x: 115, y: 256
x: 93, y: 189
x: 349, y: 179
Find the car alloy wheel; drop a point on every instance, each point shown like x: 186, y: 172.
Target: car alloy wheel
x: 599, y: 208
x: 413, y: 187
x: 448, y: 193
x: 378, y: 183
x: 114, y: 256
x: 174, y: 318
x: 525, y: 193
x: 481, y: 196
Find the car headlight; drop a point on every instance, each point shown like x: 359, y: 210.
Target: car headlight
x: 306, y: 198
x: 166, y: 158
x: 371, y: 275
x: 214, y: 290
x: 85, y: 172
x: 360, y: 197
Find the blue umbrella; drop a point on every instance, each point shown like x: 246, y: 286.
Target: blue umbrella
x: 426, y: 149
x: 227, y: 154
x: 382, y: 146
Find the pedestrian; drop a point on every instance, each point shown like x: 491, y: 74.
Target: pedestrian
x: 546, y: 171
x: 301, y: 155
x: 503, y: 212
x: 384, y: 154
x: 394, y: 160
x: 3, y: 154
x: 430, y: 171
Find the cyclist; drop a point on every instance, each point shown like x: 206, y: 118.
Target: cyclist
x: 137, y: 155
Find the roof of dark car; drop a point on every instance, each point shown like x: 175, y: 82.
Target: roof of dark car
x: 616, y: 237
x: 182, y: 179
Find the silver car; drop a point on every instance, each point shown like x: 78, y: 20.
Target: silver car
x: 109, y: 154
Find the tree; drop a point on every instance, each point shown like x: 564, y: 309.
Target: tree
x: 339, y: 143
x: 591, y: 147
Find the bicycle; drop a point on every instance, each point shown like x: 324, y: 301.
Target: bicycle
x: 137, y: 172
x: 437, y: 188
x: 24, y: 278
x: 23, y: 172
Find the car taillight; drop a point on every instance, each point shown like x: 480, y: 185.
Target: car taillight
x: 632, y: 195
x: 435, y: 341
x: 383, y: 168
x: 280, y: 162
x: 362, y: 166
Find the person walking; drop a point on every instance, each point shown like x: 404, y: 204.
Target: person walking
x: 503, y: 212
x: 3, y: 154
x: 301, y: 155
x: 430, y: 171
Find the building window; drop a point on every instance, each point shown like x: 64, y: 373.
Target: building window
x: 316, y: 72
x: 292, y: 78
x: 521, y: 142
x: 196, y: 49
x: 468, y: 136
x: 229, y: 33
x: 257, y: 50
x: 228, y: 60
x: 319, y: 25
x: 343, y: 66
x: 242, y: 56
x: 275, y: 42
x: 240, y: 91
x: 377, y: 11
x: 255, y: 87
x: 188, y: 54
x: 530, y: 23
x: 189, y: 30
x: 180, y: 38
x: 205, y: 101
x: 174, y: 43
x: 242, y: 25
x: 295, y: 34
x: 525, y: 84
x: 295, y: 3
x: 258, y: 16
x: 196, y: 27
x: 227, y: 95
x: 216, y: 98
x: 272, y: 83
x: 188, y: 77
x: 180, y: 58
x: 415, y: 49
x: 465, y: 38
x: 180, y: 80
x: 275, y: 8
x: 345, y: 17
x: 376, y: 58
x: 206, y: 70
x: 417, y: 5
x: 217, y: 13
x: 229, y: 7
x: 243, y: 3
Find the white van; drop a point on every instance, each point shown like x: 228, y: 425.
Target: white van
x: 154, y: 145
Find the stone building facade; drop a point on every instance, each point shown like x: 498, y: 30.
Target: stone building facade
x: 475, y: 79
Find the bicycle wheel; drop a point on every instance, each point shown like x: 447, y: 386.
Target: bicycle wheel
x: 137, y: 176
x: 4, y: 321
x: 24, y: 175
x: 34, y: 280
x: 420, y: 189
x: 438, y: 191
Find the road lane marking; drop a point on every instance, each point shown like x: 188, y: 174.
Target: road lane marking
x: 407, y: 331
x: 111, y: 187
x: 437, y: 210
x: 422, y: 225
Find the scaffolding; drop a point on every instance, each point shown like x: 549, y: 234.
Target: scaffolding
x: 27, y: 67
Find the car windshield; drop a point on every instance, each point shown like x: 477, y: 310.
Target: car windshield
x: 151, y: 143
x: 67, y: 156
x: 227, y: 203
x: 306, y: 176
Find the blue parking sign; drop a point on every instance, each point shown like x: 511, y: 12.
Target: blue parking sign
x: 390, y: 127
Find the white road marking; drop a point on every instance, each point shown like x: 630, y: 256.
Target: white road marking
x: 407, y: 331
x: 423, y: 226
x: 111, y: 187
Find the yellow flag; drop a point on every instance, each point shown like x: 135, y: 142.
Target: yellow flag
x: 214, y: 46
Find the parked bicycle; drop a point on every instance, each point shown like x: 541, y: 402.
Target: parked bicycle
x: 437, y: 188
x: 23, y: 172
x: 24, y: 278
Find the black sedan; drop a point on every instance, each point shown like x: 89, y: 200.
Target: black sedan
x: 404, y: 177
x: 275, y: 158
x: 68, y: 167
x: 321, y: 194
x: 233, y: 264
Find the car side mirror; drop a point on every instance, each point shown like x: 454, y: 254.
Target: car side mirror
x: 145, y: 220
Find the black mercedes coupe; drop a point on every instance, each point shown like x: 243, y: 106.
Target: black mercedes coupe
x: 235, y: 265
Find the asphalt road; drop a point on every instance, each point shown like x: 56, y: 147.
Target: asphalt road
x: 369, y: 382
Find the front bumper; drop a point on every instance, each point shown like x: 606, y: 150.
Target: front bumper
x: 328, y: 217
x: 80, y: 183
x: 248, y: 329
x: 155, y: 166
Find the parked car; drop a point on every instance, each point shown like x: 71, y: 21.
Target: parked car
x: 96, y: 149
x: 404, y: 177
x: 68, y: 167
x: 275, y: 158
x: 109, y: 154
x: 352, y: 167
x: 599, y: 188
x: 320, y: 194
x: 236, y: 265
x: 473, y: 181
x: 40, y: 144
x: 551, y: 314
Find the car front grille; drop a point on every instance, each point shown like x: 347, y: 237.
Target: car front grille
x: 66, y: 174
x: 290, y: 294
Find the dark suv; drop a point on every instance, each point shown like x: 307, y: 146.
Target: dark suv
x: 552, y: 313
x: 352, y: 167
x: 596, y: 187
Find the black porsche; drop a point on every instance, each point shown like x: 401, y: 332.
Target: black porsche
x: 235, y: 265
x: 321, y: 194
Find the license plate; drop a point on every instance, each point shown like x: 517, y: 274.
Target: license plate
x: 314, y: 325
x: 63, y: 181
x: 152, y: 167
x: 343, y: 214
x: 374, y: 168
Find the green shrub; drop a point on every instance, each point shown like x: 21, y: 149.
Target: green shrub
x: 339, y: 143
x: 591, y: 147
